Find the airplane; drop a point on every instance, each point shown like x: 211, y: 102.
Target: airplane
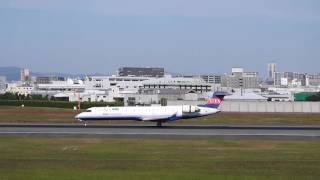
x: 158, y: 114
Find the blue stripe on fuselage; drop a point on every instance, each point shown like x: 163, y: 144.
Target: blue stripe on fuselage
x: 110, y: 118
x: 209, y: 106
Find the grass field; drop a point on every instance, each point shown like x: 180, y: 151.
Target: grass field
x: 81, y: 158
x: 56, y: 115
x: 64, y: 158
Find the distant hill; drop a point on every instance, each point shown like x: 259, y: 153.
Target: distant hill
x: 13, y: 74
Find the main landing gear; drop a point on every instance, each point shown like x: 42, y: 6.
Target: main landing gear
x: 159, y: 123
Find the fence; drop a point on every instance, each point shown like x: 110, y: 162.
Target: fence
x: 242, y: 106
x: 291, y: 107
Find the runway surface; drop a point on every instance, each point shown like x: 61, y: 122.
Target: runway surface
x: 166, y: 132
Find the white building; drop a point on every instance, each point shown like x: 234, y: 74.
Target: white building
x: 170, y: 89
x: 284, y: 81
x: 212, y: 79
x: 288, y: 92
x: 290, y: 79
x: 19, y: 88
x: 86, y: 96
x: 59, y: 86
x: 313, y: 80
x: 181, y: 83
x: 113, y: 88
x: 123, y: 84
x: 64, y: 90
x: 93, y: 88
x: 240, y: 79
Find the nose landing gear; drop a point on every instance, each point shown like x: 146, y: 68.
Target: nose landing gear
x: 85, y: 123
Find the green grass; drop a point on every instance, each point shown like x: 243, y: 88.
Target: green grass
x: 64, y: 158
x: 58, y: 115
x: 262, y: 118
x: 36, y: 115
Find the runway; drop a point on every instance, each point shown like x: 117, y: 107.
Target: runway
x: 166, y: 132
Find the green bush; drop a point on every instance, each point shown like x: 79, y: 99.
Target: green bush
x: 315, y: 97
x: 16, y: 96
x: 9, y: 96
x: 56, y: 104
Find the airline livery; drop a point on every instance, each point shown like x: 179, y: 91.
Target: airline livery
x: 159, y: 114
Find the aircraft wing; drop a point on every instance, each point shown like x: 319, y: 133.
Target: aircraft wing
x: 148, y: 119
x: 155, y: 118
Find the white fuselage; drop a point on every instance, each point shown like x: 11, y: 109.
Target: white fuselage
x: 143, y: 113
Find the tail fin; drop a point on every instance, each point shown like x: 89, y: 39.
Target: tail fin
x: 216, y: 99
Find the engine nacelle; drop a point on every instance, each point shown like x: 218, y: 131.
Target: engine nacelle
x: 190, y: 109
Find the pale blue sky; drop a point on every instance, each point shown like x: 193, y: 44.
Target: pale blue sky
x: 184, y: 36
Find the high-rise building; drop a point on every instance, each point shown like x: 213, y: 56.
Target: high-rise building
x: 3, y: 81
x: 277, y: 78
x: 24, y: 75
x: 271, y: 71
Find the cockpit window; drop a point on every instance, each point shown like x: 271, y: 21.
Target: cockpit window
x: 88, y: 110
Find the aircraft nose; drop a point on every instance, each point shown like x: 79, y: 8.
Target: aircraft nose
x: 78, y: 117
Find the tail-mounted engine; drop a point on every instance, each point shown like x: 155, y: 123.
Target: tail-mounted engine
x: 190, y: 109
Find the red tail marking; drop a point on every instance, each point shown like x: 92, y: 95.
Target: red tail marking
x: 214, y: 101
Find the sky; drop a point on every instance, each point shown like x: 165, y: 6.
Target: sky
x: 183, y: 36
